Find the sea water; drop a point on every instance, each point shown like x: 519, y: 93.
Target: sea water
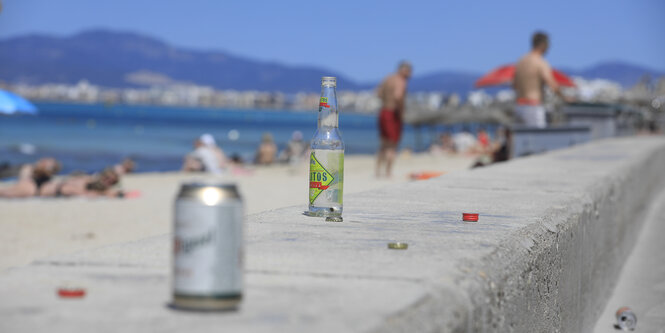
x: 89, y: 137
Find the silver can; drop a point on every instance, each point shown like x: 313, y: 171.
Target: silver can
x: 207, y: 247
x: 626, y: 319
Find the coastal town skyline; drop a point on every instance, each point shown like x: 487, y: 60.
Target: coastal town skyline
x: 366, y: 44
x: 156, y: 64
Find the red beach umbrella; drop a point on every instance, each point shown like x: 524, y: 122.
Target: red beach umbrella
x: 562, y: 79
x: 506, y: 73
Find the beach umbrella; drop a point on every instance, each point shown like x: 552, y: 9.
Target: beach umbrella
x: 11, y: 103
x: 506, y: 73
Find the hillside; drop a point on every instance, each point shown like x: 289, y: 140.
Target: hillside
x: 121, y: 59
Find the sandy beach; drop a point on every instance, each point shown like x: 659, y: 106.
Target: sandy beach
x: 36, y: 228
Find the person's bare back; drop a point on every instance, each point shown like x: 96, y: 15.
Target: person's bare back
x: 392, y: 92
x: 532, y: 74
x: 530, y: 78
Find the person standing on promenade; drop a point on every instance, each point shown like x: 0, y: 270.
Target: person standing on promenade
x: 392, y: 93
x: 532, y: 73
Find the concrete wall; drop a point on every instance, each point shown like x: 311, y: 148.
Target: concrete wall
x: 531, y: 140
x: 553, y: 232
x: 582, y: 209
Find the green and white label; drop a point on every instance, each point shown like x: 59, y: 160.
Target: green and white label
x: 319, y: 178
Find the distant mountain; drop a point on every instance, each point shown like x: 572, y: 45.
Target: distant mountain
x: 623, y: 73
x: 120, y: 59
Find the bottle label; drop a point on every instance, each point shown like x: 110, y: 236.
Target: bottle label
x: 323, y: 103
x: 319, y: 178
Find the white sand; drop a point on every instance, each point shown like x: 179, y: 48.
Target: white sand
x: 36, y: 228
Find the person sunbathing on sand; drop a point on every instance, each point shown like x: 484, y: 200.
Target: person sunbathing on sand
x: 126, y: 166
x: 98, y: 185
x: 31, y: 178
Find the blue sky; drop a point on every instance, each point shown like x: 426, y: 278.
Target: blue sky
x: 365, y: 39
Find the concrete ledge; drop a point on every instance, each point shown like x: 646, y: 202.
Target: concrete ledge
x: 553, y: 233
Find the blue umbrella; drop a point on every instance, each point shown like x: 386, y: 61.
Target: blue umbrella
x: 11, y: 103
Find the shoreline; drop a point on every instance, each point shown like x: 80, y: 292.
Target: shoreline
x: 370, y: 113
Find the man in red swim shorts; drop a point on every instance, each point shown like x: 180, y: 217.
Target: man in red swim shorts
x: 392, y: 93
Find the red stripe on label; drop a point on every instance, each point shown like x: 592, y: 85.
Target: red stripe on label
x: 318, y: 185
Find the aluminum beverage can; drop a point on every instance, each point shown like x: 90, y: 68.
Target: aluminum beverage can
x: 207, y: 247
x: 626, y: 319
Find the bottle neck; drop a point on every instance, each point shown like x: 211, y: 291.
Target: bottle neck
x: 328, y: 112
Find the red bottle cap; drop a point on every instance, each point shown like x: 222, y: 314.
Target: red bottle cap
x: 71, y: 292
x: 470, y: 217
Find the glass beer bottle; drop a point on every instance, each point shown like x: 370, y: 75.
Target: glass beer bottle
x: 326, y: 161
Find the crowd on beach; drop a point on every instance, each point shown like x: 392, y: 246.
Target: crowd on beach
x: 39, y: 179
x: 207, y: 156
x: 532, y: 74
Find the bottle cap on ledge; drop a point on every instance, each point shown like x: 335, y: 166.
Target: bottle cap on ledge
x: 470, y: 217
x: 329, y: 81
x: 398, y: 246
